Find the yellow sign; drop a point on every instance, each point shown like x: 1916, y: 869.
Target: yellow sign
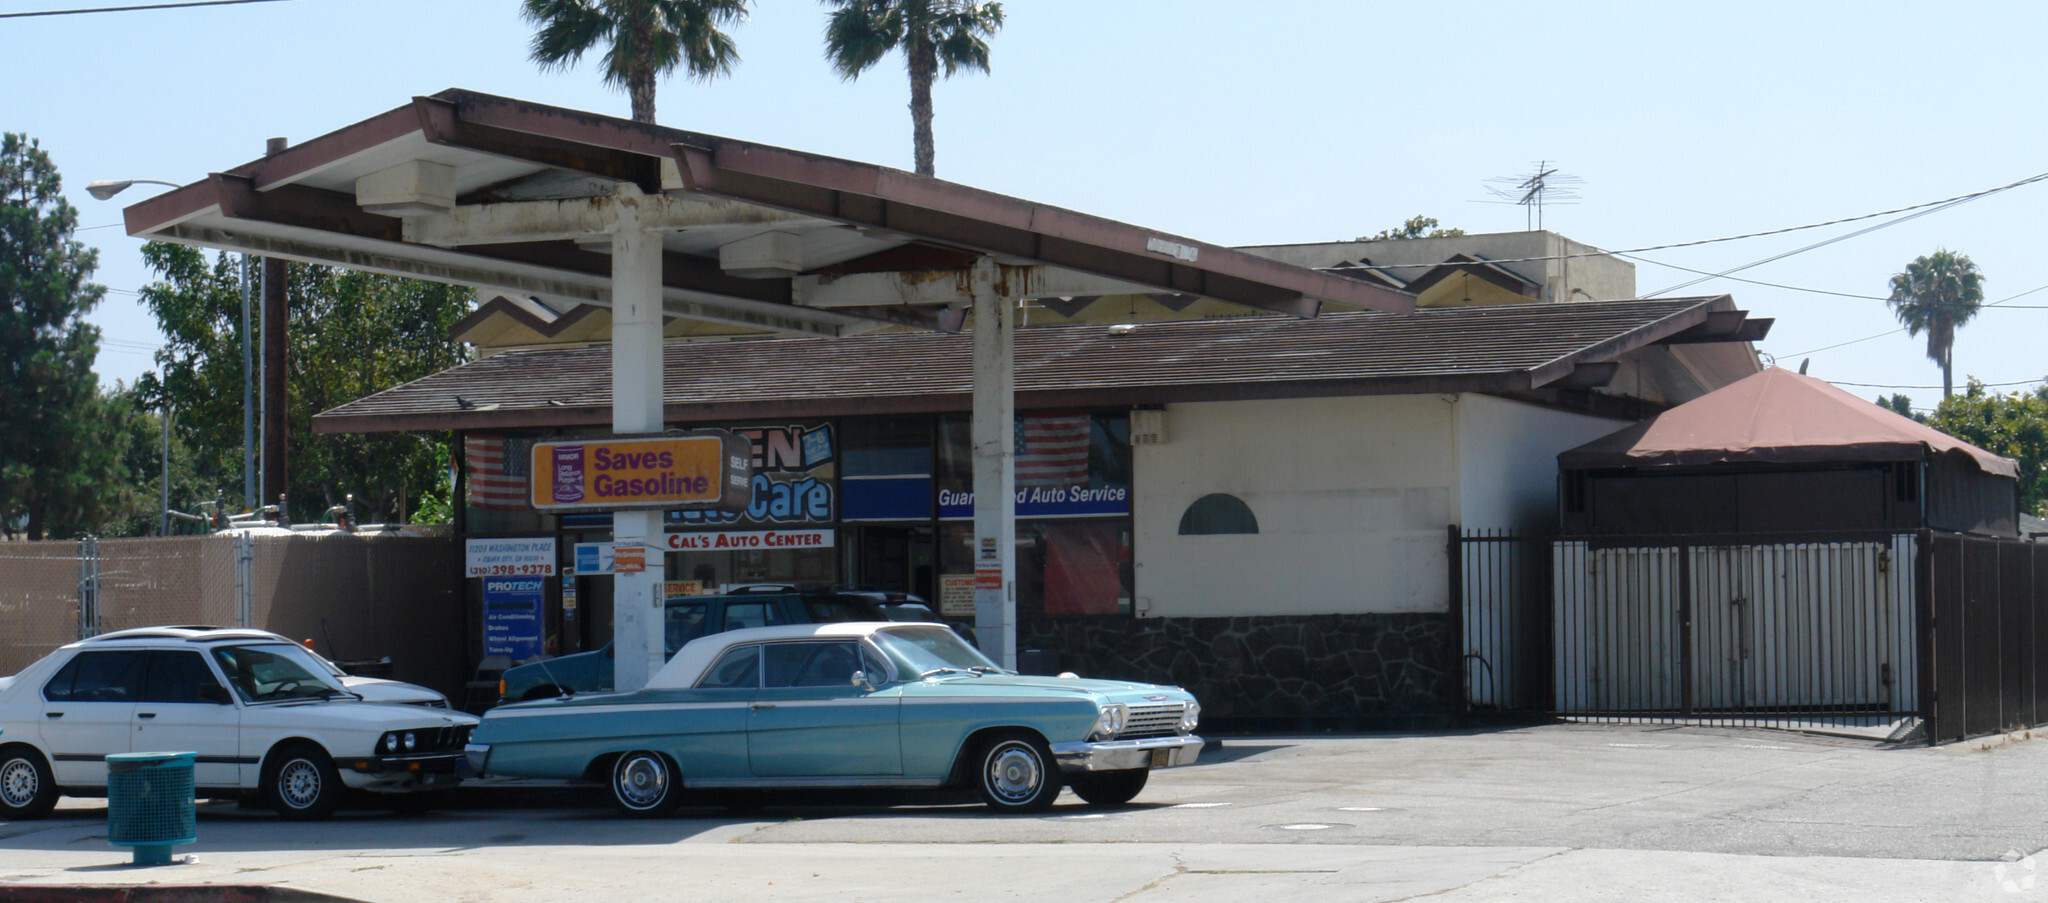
x: 711, y: 469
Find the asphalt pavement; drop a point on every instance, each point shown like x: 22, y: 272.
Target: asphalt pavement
x: 1557, y: 812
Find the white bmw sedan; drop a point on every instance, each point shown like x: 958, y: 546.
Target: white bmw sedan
x: 264, y: 716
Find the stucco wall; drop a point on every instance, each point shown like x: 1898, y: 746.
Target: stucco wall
x: 1507, y: 459
x: 1351, y: 494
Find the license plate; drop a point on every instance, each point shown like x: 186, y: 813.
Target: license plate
x: 1162, y: 758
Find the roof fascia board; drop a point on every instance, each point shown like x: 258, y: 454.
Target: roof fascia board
x: 990, y: 223
x: 942, y: 403
x: 1563, y: 366
x: 296, y: 162
x: 479, y: 123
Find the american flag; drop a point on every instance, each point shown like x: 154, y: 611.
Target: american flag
x: 497, y: 471
x: 1052, y: 450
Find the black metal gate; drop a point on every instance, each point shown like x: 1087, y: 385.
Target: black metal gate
x: 1879, y: 631
x: 1500, y: 584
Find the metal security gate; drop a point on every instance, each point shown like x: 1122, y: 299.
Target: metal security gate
x: 1699, y: 629
x: 1500, y: 584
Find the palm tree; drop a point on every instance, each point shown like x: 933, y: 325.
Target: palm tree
x: 930, y: 33
x: 1937, y: 294
x: 649, y: 39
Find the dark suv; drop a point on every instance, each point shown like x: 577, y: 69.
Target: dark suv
x: 689, y: 617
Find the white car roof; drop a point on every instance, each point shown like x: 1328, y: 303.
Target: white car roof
x: 190, y: 633
x: 681, y: 671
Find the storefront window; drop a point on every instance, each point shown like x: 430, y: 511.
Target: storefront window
x: 1068, y: 465
x: 708, y: 572
x: 1065, y: 568
x: 888, y: 469
x: 494, y: 477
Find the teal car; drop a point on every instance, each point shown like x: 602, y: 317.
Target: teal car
x: 686, y: 618
x: 857, y: 705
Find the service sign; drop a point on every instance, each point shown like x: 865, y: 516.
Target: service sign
x: 528, y: 557
x: 710, y: 469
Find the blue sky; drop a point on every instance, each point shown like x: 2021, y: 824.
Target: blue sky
x: 1305, y: 121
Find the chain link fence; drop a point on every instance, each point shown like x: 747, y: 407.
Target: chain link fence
x: 357, y: 597
x: 40, y: 588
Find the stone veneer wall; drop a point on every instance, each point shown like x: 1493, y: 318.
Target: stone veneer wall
x: 1302, y: 672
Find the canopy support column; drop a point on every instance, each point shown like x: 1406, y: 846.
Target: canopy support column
x: 995, y: 469
x: 637, y: 621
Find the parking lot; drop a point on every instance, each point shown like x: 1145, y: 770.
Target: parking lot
x: 1558, y: 812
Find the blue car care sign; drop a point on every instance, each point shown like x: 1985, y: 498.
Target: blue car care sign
x: 512, y: 623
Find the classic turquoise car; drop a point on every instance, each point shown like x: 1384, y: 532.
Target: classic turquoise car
x: 872, y: 705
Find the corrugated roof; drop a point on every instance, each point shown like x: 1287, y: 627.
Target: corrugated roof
x: 1510, y: 348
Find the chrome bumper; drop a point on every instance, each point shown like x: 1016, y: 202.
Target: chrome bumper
x: 431, y: 763
x: 1122, y: 755
x: 478, y: 754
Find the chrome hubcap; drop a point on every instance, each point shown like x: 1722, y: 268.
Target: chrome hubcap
x: 18, y: 784
x: 640, y: 781
x: 298, y: 783
x: 1014, y: 771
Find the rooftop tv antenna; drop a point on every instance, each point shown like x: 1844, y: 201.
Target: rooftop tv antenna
x: 1545, y: 184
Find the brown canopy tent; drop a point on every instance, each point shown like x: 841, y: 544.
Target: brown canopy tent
x: 1779, y: 451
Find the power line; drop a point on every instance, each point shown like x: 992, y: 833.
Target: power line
x: 2017, y: 382
x: 1923, y: 211
x: 126, y: 9
x: 1778, y: 285
x: 1603, y: 252
x: 1999, y: 303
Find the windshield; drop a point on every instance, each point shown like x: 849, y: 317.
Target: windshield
x: 275, y: 671
x: 927, y: 650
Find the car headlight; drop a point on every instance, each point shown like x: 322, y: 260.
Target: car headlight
x: 410, y: 741
x: 1190, y: 716
x: 389, y: 744
x: 1110, y: 722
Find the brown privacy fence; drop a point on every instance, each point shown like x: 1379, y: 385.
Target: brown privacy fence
x: 356, y: 596
x: 1882, y: 631
x: 1988, y: 602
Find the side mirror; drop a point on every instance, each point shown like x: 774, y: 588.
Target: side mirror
x: 215, y: 693
x: 860, y: 679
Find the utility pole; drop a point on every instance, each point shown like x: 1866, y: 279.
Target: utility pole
x: 164, y: 510
x: 249, y: 497
x: 275, y: 319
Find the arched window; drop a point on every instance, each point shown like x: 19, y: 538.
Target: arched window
x: 1216, y: 513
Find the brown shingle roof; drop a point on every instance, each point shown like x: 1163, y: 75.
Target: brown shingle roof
x: 1478, y: 349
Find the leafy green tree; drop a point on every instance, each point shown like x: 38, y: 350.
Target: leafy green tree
x: 357, y: 334
x: 1899, y: 404
x: 1415, y: 227
x: 648, y: 39
x: 2014, y: 425
x: 352, y: 334
x: 143, y: 463
x: 107, y: 490
x: 1937, y: 294
x: 197, y: 301
x: 931, y: 34
x: 47, y: 388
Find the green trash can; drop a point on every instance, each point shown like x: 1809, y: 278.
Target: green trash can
x: 149, y: 803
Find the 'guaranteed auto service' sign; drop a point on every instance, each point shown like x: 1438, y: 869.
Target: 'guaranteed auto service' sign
x: 711, y: 469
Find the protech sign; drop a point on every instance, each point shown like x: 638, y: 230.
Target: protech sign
x: 703, y: 470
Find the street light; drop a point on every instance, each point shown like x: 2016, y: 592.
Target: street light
x: 106, y: 188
